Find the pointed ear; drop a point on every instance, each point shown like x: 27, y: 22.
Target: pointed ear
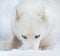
x: 43, y: 15
x: 19, y: 14
x: 44, y: 18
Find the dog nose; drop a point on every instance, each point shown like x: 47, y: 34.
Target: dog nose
x: 30, y: 47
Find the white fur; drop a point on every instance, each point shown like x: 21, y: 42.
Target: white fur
x: 30, y: 19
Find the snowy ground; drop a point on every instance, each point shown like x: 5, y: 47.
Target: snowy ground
x: 29, y: 53
x: 6, y: 8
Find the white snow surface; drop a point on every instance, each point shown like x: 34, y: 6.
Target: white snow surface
x: 16, y: 52
x: 6, y: 8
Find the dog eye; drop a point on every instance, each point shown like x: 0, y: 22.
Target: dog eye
x: 37, y: 36
x: 24, y: 37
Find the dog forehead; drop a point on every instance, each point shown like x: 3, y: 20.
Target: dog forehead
x: 31, y: 31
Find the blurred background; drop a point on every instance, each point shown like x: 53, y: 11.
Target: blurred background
x: 6, y: 8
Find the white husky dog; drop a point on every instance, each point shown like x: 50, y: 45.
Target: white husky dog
x: 31, y: 26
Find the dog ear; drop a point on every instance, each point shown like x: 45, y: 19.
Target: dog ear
x: 18, y: 14
x: 43, y: 15
x: 44, y: 18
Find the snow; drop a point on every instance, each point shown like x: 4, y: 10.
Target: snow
x: 6, y: 8
x: 16, y: 52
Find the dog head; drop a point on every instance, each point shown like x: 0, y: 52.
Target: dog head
x: 30, y: 27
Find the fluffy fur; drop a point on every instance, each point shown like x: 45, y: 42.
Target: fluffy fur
x: 30, y: 20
